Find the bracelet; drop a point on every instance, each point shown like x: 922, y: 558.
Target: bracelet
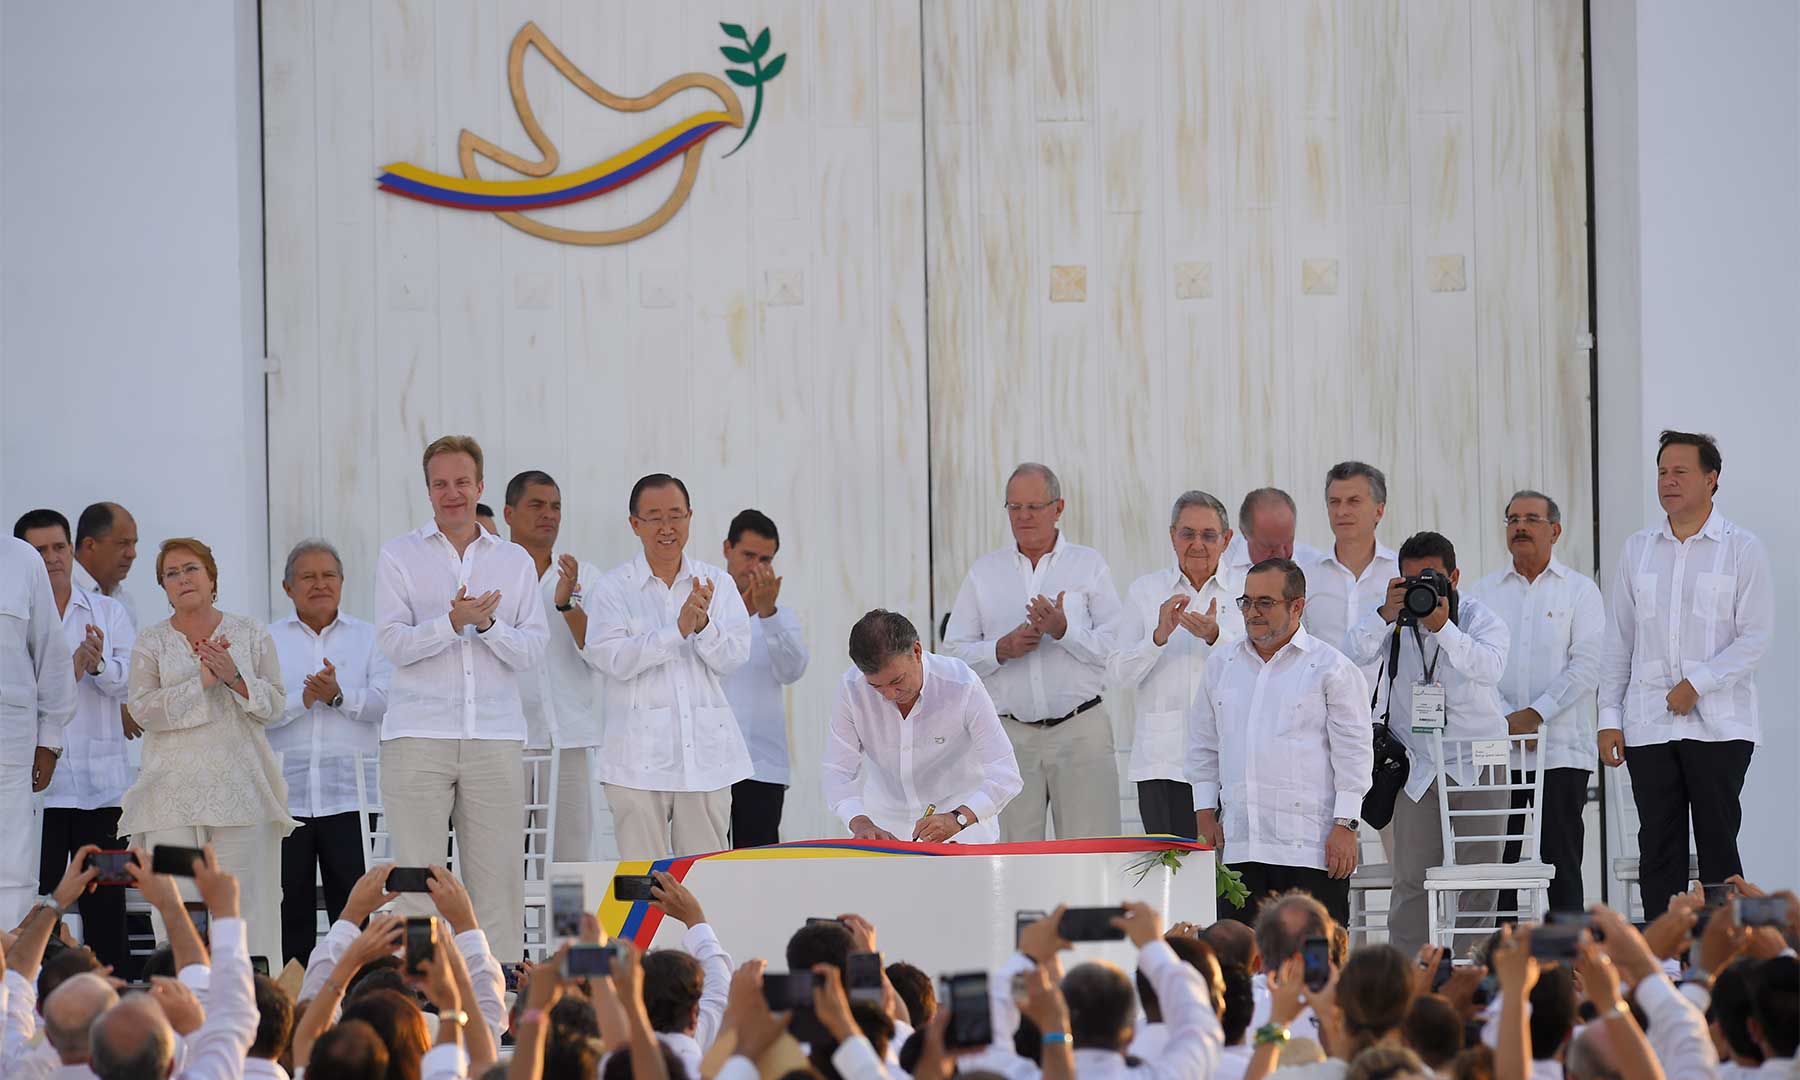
x: 1051, y: 1038
x: 565, y: 607
x: 1271, y: 1034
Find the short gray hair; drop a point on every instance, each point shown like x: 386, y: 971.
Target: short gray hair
x: 878, y: 637
x: 1350, y: 470
x: 1554, y: 512
x: 1196, y: 497
x: 1260, y: 498
x: 307, y: 547
x: 1051, y: 484
x: 116, y: 1053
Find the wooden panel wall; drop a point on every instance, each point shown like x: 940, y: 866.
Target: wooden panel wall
x: 1308, y: 230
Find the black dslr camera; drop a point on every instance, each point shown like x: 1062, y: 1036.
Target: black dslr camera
x: 1421, y: 597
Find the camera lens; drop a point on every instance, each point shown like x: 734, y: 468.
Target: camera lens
x: 1421, y: 599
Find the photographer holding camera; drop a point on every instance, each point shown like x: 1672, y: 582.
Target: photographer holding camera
x: 1442, y: 656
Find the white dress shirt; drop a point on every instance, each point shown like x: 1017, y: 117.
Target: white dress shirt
x: 949, y: 751
x: 37, y: 672
x: 1166, y: 676
x: 85, y: 582
x: 1703, y: 610
x: 1283, y: 746
x: 485, y: 976
x: 1051, y: 680
x: 95, y: 769
x: 560, y: 694
x: 1677, y: 1032
x: 217, y: 1050
x: 1470, y: 656
x: 1553, y: 665
x: 778, y: 658
x: 448, y: 685
x: 264, y: 1069
x: 319, y: 746
x: 669, y: 726
x: 1336, y: 599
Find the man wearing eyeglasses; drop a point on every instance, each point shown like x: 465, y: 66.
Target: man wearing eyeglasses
x: 1558, y: 622
x: 1034, y: 619
x: 1173, y: 621
x: 1279, y: 735
x: 664, y: 628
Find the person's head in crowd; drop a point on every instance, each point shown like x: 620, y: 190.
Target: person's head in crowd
x: 397, y: 1019
x: 1240, y: 1003
x: 1688, y: 465
x: 1034, y: 506
x: 106, y: 539
x: 1429, y: 551
x: 1233, y: 942
x: 1477, y: 1063
x: 1266, y: 519
x: 1533, y: 525
x: 131, y: 1041
x: 1339, y: 950
x: 70, y: 1011
x: 885, y: 647
x: 1274, y: 598
x: 1355, y: 499
x: 1200, y: 532
x: 1197, y: 955
x: 275, y: 1023
x: 1733, y: 1002
x: 1433, y: 1030
x: 673, y: 983
x: 454, y: 483
x: 1775, y: 1007
x: 661, y: 514
x: 381, y: 973
x: 349, y: 1050
x: 1593, y: 1055
x: 1284, y: 923
x: 533, y: 511
x: 484, y: 517
x: 60, y: 968
x: 618, y: 1065
x: 1387, y: 1063
x: 314, y: 581
x: 820, y: 943
x: 1374, y: 990
x: 161, y: 961
x: 1553, y: 1005
x: 572, y: 1049
x: 188, y: 574
x: 48, y: 532
x: 915, y: 990
x: 751, y: 543
x: 1102, y: 1007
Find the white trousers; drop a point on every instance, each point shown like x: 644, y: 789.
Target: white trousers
x: 250, y: 852
x: 21, y: 840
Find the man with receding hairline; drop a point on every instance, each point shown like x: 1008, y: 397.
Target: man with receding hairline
x: 1265, y: 530
x: 69, y: 1012
x: 106, y: 538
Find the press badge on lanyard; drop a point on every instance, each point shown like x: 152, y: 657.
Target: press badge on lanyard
x: 1428, y: 711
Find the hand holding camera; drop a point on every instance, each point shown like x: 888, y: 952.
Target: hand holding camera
x: 1425, y: 599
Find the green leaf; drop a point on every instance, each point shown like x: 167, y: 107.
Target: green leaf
x: 735, y: 31
x: 761, y: 45
x: 742, y: 78
x: 774, y: 67
x: 736, y: 56
x: 1230, y: 884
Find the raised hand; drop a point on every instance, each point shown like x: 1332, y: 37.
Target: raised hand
x: 322, y: 685
x: 1021, y: 640
x: 452, y: 900
x: 765, y: 589
x: 1168, y: 617
x: 1047, y: 615
x: 675, y: 900
x: 91, y: 652
x: 568, y: 577
x: 693, y: 616
x: 218, y: 887
x: 1204, y: 624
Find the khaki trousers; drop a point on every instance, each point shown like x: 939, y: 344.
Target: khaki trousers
x: 1419, y: 845
x: 478, y: 787
x: 645, y: 821
x: 250, y: 852
x: 1068, y: 769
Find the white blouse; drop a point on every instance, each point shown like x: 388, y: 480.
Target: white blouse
x: 206, y: 759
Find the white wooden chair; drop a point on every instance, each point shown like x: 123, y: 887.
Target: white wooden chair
x: 1371, y: 890
x: 543, y: 772
x: 1624, y: 815
x: 1529, y: 877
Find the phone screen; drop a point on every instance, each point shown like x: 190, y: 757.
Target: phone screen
x: 175, y: 861
x: 1717, y: 895
x: 788, y: 990
x: 421, y: 941
x: 1091, y: 924
x: 1315, y: 956
x: 260, y: 965
x: 585, y: 960
x: 863, y: 977
x: 1554, y: 942
x: 568, y: 902
x: 1023, y: 919
x: 112, y: 867
x: 1442, y: 975
x: 633, y: 887
x: 971, y: 1019
x: 1760, y: 911
x: 409, y: 879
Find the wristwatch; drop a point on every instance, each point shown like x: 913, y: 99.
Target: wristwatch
x: 459, y: 1018
x: 962, y: 820
x: 1347, y: 822
x: 338, y: 701
x: 1271, y: 1034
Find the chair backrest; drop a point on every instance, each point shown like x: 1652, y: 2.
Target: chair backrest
x: 543, y: 772
x: 377, y: 846
x: 1471, y: 767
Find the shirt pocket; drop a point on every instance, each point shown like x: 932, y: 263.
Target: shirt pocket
x: 1715, y: 595
x: 1161, y: 737
x: 650, y: 740
x: 18, y: 679
x: 716, y: 735
x: 1643, y: 596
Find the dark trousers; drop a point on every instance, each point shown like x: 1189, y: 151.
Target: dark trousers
x: 1561, y: 835
x: 103, y: 910
x: 1167, y: 806
x: 1671, y: 780
x: 333, y: 845
x: 1262, y: 879
x: 756, y: 813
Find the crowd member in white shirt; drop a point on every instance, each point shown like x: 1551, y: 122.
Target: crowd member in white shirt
x: 664, y: 629
x: 37, y: 701
x: 1033, y: 619
x: 1346, y: 583
x: 1461, y: 647
x: 81, y: 804
x: 778, y: 657
x: 458, y: 615
x: 337, y: 684
x: 1173, y: 620
x: 1690, y: 614
x: 106, y: 538
x: 1552, y: 667
x: 921, y: 729
x: 559, y: 695
x: 1279, y: 735
x: 1265, y: 530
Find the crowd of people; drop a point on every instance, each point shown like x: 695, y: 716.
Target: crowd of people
x: 1265, y: 675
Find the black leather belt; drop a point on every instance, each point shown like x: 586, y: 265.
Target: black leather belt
x: 1055, y: 720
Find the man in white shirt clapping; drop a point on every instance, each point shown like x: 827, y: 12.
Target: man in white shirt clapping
x: 1173, y: 621
x: 337, y: 684
x: 1280, y: 738
x: 1034, y: 620
x: 778, y: 658
x: 1557, y: 620
x: 1690, y: 614
x: 663, y: 629
x: 936, y: 765
x: 458, y: 615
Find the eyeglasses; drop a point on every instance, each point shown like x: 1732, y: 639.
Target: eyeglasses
x: 170, y: 573
x: 1262, y: 604
x: 1209, y: 537
x: 1027, y: 508
x: 1534, y: 520
x: 675, y: 518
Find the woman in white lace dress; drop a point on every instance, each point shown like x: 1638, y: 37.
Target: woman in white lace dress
x: 204, y: 683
